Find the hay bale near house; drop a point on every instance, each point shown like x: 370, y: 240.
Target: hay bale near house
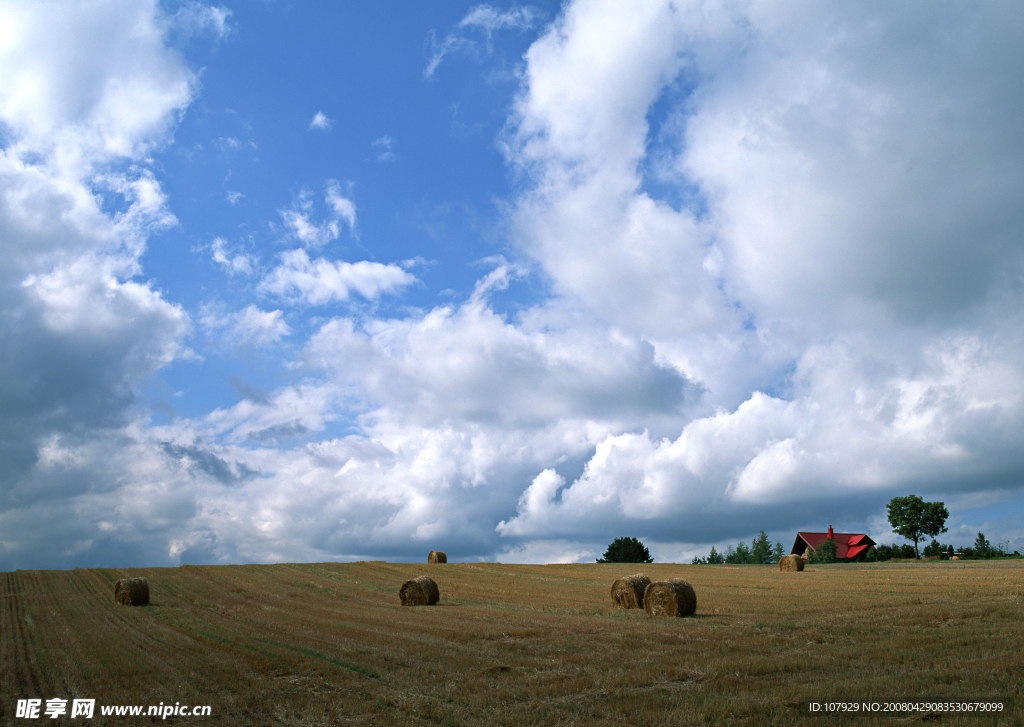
x: 791, y: 563
x: 420, y: 591
x: 132, y: 592
x: 628, y: 591
x: 437, y: 556
x: 672, y: 597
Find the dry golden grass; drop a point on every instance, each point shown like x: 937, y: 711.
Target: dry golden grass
x: 326, y: 643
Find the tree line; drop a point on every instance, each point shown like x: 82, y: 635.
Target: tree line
x: 909, y: 516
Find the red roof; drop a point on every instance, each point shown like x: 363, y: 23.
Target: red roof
x: 848, y: 545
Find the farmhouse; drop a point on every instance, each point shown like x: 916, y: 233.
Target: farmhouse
x: 848, y: 545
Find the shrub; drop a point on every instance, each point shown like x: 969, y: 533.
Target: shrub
x: 933, y: 548
x: 626, y: 550
x: 871, y: 555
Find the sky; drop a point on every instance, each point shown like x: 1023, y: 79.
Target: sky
x: 347, y: 281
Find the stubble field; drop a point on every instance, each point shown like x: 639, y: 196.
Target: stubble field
x: 329, y: 643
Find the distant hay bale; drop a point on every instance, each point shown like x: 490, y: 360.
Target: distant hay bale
x: 628, y: 591
x: 420, y: 591
x: 436, y: 556
x: 672, y: 597
x: 791, y: 563
x: 132, y: 592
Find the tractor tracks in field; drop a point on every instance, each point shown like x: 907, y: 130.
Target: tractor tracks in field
x: 19, y: 648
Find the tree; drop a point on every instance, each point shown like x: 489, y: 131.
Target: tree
x: 761, y: 549
x: 913, y: 518
x: 739, y: 556
x: 777, y: 552
x: 626, y: 550
x: 982, y: 548
x: 714, y: 557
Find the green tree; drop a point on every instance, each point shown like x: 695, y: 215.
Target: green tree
x: 982, y: 548
x: 824, y: 553
x: 626, y: 550
x: 913, y: 518
x: 777, y: 552
x: 738, y: 556
x: 761, y: 549
x: 714, y: 557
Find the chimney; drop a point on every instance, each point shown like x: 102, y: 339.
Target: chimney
x: 830, y: 536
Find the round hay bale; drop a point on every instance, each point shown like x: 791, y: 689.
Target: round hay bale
x: 628, y: 591
x: 791, y: 563
x: 437, y: 556
x: 672, y: 597
x: 132, y: 592
x: 420, y: 591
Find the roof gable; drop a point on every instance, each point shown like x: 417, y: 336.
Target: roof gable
x: 848, y: 545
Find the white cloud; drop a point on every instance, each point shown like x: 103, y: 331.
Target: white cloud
x: 490, y: 18
x: 827, y: 314
x: 320, y: 281
x: 194, y: 17
x: 342, y: 206
x: 232, y: 263
x: 384, y: 144
x: 821, y: 250
x: 298, y: 218
x: 234, y: 197
x: 483, y: 18
x: 321, y: 122
x: 247, y: 327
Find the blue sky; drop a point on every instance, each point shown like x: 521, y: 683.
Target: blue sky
x: 295, y: 282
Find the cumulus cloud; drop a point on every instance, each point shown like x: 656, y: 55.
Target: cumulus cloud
x: 85, y: 93
x: 485, y: 19
x: 822, y: 243
x: 321, y: 122
x: 320, y: 281
x: 784, y: 256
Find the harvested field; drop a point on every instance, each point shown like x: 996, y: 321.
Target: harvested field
x: 328, y: 643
